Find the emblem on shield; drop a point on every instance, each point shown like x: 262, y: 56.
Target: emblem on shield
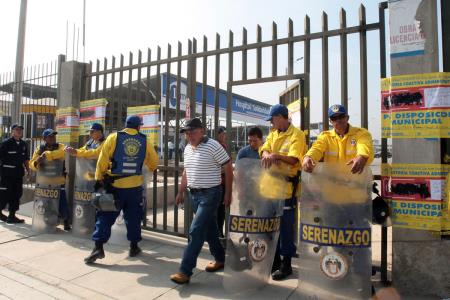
x: 334, y: 265
x: 258, y: 249
x: 78, y: 212
x: 40, y: 209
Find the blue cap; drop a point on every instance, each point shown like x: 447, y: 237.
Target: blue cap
x: 16, y: 126
x: 48, y: 132
x: 96, y: 126
x: 277, y: 109
x: 336, y: 109
x: 133, y: 121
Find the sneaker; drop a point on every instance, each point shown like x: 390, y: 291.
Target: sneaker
x: 214, y: 266
x: 180, y: 278
x: 3, y: 217
x: 14, y: 220
x: 97, y: 253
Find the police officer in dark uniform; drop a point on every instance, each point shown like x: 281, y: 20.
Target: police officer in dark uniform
x: 121, y: 160
x: 14, y: 161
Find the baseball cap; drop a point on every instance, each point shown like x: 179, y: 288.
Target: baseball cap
x: 277, y: 109
x: 336, y: 109
x: 96, y: 126
x: 48, y: 132
x: 221, y: 129
x: 14, y: 126
x: 192, y: 124
x: 133, y: 121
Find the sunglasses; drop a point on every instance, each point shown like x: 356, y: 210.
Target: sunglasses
x: 338, y: 117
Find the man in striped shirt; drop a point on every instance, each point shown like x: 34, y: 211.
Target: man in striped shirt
x: 203, y: 161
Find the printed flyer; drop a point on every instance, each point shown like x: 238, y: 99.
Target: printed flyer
x: 67, y: 125
x: 92, y: 111
x: 416, y: 106
x: 150, y: 117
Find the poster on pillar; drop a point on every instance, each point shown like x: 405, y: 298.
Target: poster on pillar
x: 416, y: 106
x: 67, y: 125
x: 407, y: 37
x: 418, y: 194
x: 92, y: 111
x: 150, y: 119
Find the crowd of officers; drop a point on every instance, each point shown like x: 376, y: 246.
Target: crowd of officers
x: 206, y: 179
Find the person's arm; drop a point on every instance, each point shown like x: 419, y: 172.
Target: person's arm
x: 57, y: 154
x: 228, y: 168
x: 105, y: 156
x: 315, y: 153
x: 266, y: 151
x: 364, y: 153
x: 26, y: 160
x: 2, y: 150
x: 151, y: 158
x: 182, y: 189
x: 33, y: 163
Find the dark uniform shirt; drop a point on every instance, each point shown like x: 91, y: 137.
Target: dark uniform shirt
x: 13, y: 155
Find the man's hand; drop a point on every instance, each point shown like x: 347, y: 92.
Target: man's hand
x: 268, y: 159
x: 227, y: 199
x: 71, y: 151
x: 358, y: 163
x: 308, y: 164
x: 180, y: 198
x: 40, y: 158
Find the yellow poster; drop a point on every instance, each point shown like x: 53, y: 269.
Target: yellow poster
x: 418, y: 195
x: 416, y: 106
x: 67, y: 125
x: 92, y: 111
x: 150, y: 118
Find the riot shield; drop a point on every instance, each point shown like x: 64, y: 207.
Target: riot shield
x: 335, y: 237
x: 253, y: 226
x: 46, y: 196
x: 83, y: 211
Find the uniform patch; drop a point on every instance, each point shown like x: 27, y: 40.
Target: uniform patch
x: 334, y: 266
x: 353, y: 142
x: 258, y: 249
x: 131, y: 147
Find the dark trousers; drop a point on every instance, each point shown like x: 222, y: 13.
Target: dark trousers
x: 286, y: 246
x: 130, y: 201
x: 10, y: 193
x: 63, y: 206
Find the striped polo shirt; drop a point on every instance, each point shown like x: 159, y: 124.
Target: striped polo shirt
x: 203, y: 164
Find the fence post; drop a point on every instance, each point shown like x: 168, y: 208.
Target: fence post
x: 71, y: 85
x: 419, y: 251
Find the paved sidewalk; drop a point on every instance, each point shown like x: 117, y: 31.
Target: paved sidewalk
x: 50, y: 266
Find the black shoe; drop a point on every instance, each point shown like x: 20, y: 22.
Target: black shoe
x: 14, y: 220
x: 97, y: 253
x: 284, y: 271
x: 134, y: 250
x: 3, y: 217
x: 276, y: 264
x: 67, y: 225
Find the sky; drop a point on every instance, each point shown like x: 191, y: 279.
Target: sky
x: 116, y: 26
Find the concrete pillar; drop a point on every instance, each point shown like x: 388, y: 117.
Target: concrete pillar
x: 70, y: 91
x: 421, y: 259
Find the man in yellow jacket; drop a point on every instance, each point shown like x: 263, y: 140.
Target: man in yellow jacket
x: 122, y: 157
x: 91, y: 150
x: 284, y: 149
x: 51, y: 151
x: 343, y: 144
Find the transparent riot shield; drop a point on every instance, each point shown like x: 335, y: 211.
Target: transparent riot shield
x: 253, y: 226
x: 83, y: 211
x: 46, y: 196
x: 335, y: 238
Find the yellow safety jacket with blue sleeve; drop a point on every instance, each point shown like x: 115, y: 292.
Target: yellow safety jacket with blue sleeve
x: 292, y: 143
x: 330, y: 147
x: 91, y: 150
x: 122, y: 155
x: 54, y: 152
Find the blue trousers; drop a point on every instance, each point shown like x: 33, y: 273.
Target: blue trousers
x: 203, y: 228
x: 286, y: 246
x: 128, y: 200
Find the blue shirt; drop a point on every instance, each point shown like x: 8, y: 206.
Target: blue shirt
x: 247, y: 152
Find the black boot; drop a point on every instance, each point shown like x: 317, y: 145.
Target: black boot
x: 97, y: 253
x: 134, y: 249
x: 3, y: 217
x: 12, y: 219
x: 276, y: 263
x: 67, y: 225
x: 284, y: 271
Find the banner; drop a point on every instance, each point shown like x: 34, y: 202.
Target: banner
x: 150, y: 117
x: 92, y: 111
x: 416, y: 106
x: 67, y: 125
x: 418, y: 194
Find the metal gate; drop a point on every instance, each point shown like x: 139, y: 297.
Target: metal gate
x: 139, y: 83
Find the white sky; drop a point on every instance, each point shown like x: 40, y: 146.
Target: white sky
x: 115, y: 26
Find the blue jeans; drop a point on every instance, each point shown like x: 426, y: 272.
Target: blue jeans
x: 130, y: 201
x: 203, y: 228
